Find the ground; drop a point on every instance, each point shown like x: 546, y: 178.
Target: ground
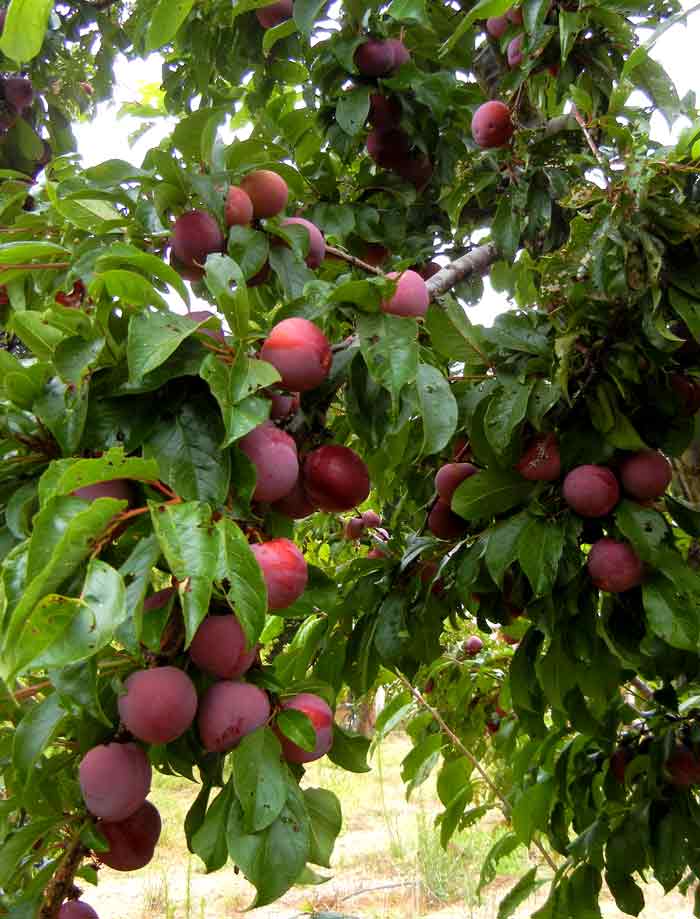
x: 388, y: 863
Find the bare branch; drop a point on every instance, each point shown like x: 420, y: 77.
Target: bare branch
x: 354, y: 261
x: 478, y: 261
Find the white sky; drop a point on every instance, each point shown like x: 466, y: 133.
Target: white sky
x: 106, y: 137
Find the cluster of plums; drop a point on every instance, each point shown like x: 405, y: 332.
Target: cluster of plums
x: 158, y: 706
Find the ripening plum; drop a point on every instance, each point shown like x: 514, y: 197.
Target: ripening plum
x: 614, y: 566
x: 320, y: 715
x: 159, y: 705
x: 375, y: 58
x: 300, y: 352
x: 260, y: 278
x: 296, y: 505
x: 283, y: 405
x: 473, y: 645
x: 492, y: 125
x: 389, y: 149
x: 400, y: 53
x: 428, y: 270
x: 284, y: 570
x: 76, y: 909
x: 444, y: 523
x: 427, y: 573
x: 646, y: 475
x: 228, y: 712
x: 541, y: 461
x: 450, y: 476
x: 353, y: 528
x: 371, y: 519
x: 317, y: 244
x: 497, y: 26
x: 204, y: 316
x: 336, y: 478
x: 132, y: 842
x: 375, y: 254
x: 19, y: 92
x: 376, y: 553
x: 267, y: 190
x: 416, y: 169
x: 274, y: 454
x: 619, y: 762
x: 275, y: 13
x: 684, y: 767
x: 688, y: 391
x: 114, y: 779
x: 195, y: 235
x: 591, y: 491
x: 411, y: 297
x: 158, y: 600
x: 515, y: 16
x: 219, y: 646
x: 238, y: 209
x: 121, y: 489
x: 515, y: 52
x: 384, y: 112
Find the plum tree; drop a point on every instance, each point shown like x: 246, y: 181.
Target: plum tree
x: 614, y: 566
x: 300, y: 352
x: 158, y: 705
x: 411, y: 297
x: 317, y: 244
x: 238, y: 208
x: 267, y: 191
x: 335, y: 478
x: 132, y: 841
x: 492, y: 125
x: 284, y: 570
x: 646, y: 475
x: 320, y: 714
x: 219, y: 647
x: 450, y: 476
x: 195, y: 235
x: 228, y: 711
x: 592, y: 491
x: 541, y: 461
x: 115, y: 779
x: 274, y: 454
x: 275, y: 13
x: 444, y: 523
x: 76, y: 909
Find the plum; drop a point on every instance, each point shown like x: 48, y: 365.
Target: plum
x: 591, y: 491
x: 336, y: 478
x: 497, y: 26
x: 267, y: 190
x: 195, y: 235
x: 228, y: 711
x: 384, y: 111
x: 401, y: 54
x: 114, y: 779
x: 283, y: 405
x: 376, y: 553
x: 541, y: 461
x: 614, y: 566
x: 317, y: 244
x: 450, y: 476
x: 121, y: 489
x: 275, y: 13
x: 132, y: 842
x: 390, y: 149
x: 19, y: 92
x: 158, y: 600
x: 515, y: 52
x: 261, y: 277
x: 687, y: 389
x: 646, y: 475
x: 204, y: 316
x: 321, y: 716
x: 492, y: 125
x: 473, y: 645
x: 300, y: 352
x: 284, y: 570
x: 515, y: 16
x: 159, y: 704
x: 444, y: 523
x: 416, y: 169
x: 427, y: 573
x: 375, y: 58
x: 683, y: 767
x: 296, y: 505
x: 375, y: 254
x: 219, y: 647
x: 76, y: 909
x: 371, y: 519
x: 428, y: 270
x: 274, y: 454
x: 353, y: 528
x: 411, y: 297
x: 619, y: 762
x: 238, y: 209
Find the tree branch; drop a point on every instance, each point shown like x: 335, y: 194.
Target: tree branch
x: 478, y: 261
x: 353, y: 260
x: 61, y: 883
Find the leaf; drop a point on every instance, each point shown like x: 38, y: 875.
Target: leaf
x: 62, y: 407
x: 389, y: 345
x: 259, y: 779
x: 238, y: 567
x: 482, y: 10
x: 349, y: 751
x: 502, y: 848
x: 505, y: 413
x: 167, y: 18
x: 297, y: 727
x: 438, y: 408
x: 518, y: 894
x: 684, y: 515
x: 209, y: 841
x: 326, y: 820
x: 234, y: 387
x: 352, y: 110
x: 502, y: 545
x: 123, y: 254
x: 627, y: 893
x: 506, y: 229
x: 64, y: 477
x: 25, y: 28
x: 531, y: 809
x: 18, y: 843
x: 190, y: 544
x: 38, y: 727
x: 670, y: 614
x: 540, y: 548
x: 488, y: 493
x: 643, y: 527
x: 391, y: 634
x: 153, y: 337
x: 19, y: 252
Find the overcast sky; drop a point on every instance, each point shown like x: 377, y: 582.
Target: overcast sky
x: 107, y: 136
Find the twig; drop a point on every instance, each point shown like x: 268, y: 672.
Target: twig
x: 458, y: 745
x: 592, y: 144
x: 36, y: 266
x: 478, y: 261
x: 61, y: 883
x: 358, y: 893
x: 643, y: 688
x: 28, y: 691
x: 353, y: 260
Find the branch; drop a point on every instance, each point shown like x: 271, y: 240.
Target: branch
x: 61, y: 883
x: 592, y: 144
x: 353, y: 260
x: 478, y: 261
x: 36, y: 266
x: 643, y: 688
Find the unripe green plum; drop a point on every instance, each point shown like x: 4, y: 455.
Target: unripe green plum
x: 450, y: 477
x: 159, y: 705
x: 320, y: 715
x: 411, y: 298
x: 317, y: 244
x: 238, y: 209
x: 132, y: 842
x: 336, y: 478
x: 76, y: 909
x: 300, y: 352
x: 267, y: 190
x: 591, y: 491
x: 219, y: 647
x: 492, y: 125
x: 646, y: 475
x: 296, y: 505
x: 444, y: 523
x: 114, y: 780
x: 275, y: 13
x: 614, y: 566
x: 195, y: 235
x: 228, y: 712
x: 274, y: 454
x: 541, y: 461
x: 284, y: 570
x: 375, y: 58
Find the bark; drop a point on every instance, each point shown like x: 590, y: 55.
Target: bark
x: 478, y: 261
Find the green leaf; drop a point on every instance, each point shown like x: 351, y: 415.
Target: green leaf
x: 20, y: 252
x: 502, y: 545
x: 35, y: 731
x: 643, y: 527
x: 25, y: 28
x: 209, y: 840
x: 349, y: 751
x: 123, y: 254
x: 63, y: 477
x: 167, y: 18
x: 306, y: 13
x: 352, y: 110
x: 326, y: 820
x: 238, y: 569
x: 153, y: 337
x: 389, y: 345
x: 482, y: 10
x: 502, y: 848
x: 518, y: 894
x: 234, y: 387
x: 391, y: 634
x: 62, y: 407
x: 18, y: 844
x: 684, y: 515
x: 438, y: 408
x: 297, y: 727
x: 627, y: 893
x: 671, y: 614
x: 540, y: 548
x: 506, y: 229
x: 409, y: 11
x: 488, y: 493
x: 532, y: 808
x: 259, y: 779
x: 505, y: 413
